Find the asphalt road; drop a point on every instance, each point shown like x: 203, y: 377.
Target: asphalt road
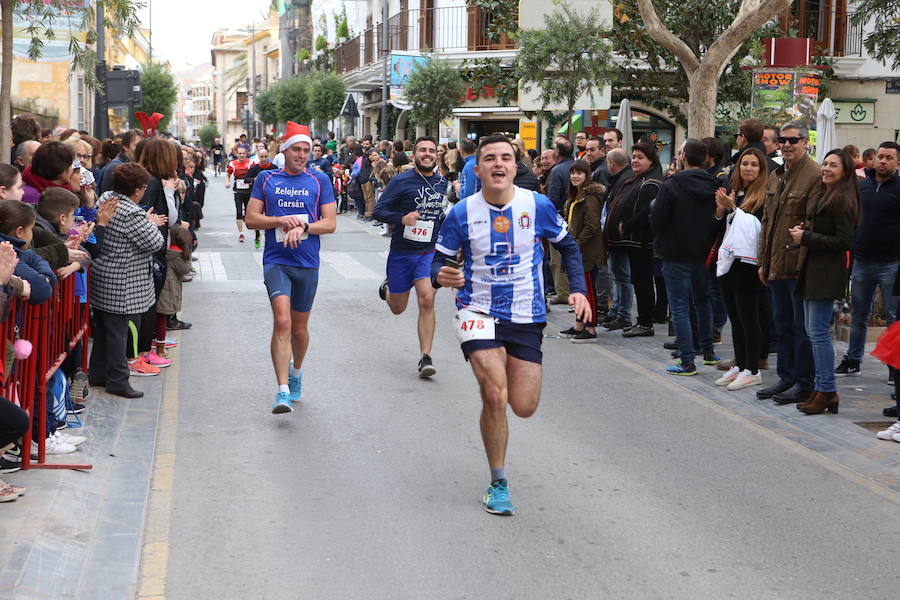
x: 627, y: 486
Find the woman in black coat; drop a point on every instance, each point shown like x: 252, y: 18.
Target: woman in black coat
x: 826, y: 236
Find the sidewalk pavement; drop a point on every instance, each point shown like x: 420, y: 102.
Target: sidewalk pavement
x: 847, y: 438
x: 78, y: 534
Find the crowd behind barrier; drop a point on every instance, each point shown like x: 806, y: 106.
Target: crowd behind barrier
x: 670, y: 240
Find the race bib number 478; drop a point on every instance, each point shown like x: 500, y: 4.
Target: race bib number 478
x: 470, y: 325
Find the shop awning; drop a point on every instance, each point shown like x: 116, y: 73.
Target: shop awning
x: 576, y: 121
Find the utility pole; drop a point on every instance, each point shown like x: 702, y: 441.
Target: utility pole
x: 384, y: 72
x: 101, y: 116
x: 254, y: 134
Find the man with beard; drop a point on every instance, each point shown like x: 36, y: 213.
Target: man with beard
x: 413, y: 203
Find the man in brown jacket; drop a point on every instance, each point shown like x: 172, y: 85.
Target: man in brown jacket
x: 791, y: 188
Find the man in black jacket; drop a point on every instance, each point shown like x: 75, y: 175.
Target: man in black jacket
x: 683, y: 224
x: 525, y: 178
x: 595, y: 154
x: 617, y: 164
x: 876, y: 251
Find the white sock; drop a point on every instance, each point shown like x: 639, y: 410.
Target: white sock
x: 284, y: 388
x: 296, y: 372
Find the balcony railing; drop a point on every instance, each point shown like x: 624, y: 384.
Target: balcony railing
x: 448, y: 29
x: 833, y: 31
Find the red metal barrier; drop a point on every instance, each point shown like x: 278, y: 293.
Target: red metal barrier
x: 54, y: 328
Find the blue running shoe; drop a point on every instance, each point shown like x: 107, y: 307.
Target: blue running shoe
x: 496, y: 499
x: 296, y: 385
x: 711, y: 358
x: 282, y: 404
x: 682, y: 369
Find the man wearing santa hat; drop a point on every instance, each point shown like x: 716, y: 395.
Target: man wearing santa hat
x: 294, y: 206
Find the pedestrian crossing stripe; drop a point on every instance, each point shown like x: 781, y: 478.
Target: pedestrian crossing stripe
x: 210, y: 266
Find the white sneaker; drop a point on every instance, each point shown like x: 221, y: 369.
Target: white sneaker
x: 53, y: 446
x: 65, y: 438
x: 888, y: 434
x: 729, y: 376
x: 744, y: 380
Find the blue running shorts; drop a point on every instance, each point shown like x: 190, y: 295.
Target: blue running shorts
x: 521, y: 340
x: 404, y: 269
x: 299, y: 283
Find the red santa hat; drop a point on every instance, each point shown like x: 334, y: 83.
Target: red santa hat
x: 295, y: 133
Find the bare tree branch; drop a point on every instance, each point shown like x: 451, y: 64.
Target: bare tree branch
x: 752, y: 15
x: 664, y: 36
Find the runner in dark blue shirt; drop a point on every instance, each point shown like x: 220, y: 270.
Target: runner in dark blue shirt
x: 294, y: 206
x: 413, y: 202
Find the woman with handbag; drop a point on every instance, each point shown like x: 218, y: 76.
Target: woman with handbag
x: 826, y: 236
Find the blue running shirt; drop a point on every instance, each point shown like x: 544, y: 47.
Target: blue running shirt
x: 302, y: 194
x: 502, y: 253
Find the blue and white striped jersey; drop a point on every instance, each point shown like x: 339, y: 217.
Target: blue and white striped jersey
x: 502, y: 253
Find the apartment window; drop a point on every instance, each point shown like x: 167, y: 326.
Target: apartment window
x: 478, y: 23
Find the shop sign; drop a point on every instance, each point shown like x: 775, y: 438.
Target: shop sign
x: 528, y: 132
x: 854, y: 112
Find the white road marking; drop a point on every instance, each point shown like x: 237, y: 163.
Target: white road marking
x: 210, y: 266
x: 348, y: 267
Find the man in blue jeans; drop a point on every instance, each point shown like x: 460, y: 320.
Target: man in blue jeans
x: 790, y: 189
x: 684, y: 227
x: 876, y: 251
x: 619, y: 316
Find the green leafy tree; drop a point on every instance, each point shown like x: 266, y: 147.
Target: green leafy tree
x: 326, y: 97
x: 433, y: 89
x: 266, y: 107
x: 883, y: 42
x: 698, y: 38
x: 292, y: 100
x: 342, y: 25
x: 208, y: 134
x: 48, y: 17
x: 567, y: 57
x: 158, y: 92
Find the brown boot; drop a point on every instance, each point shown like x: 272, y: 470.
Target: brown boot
x: 811, y: 398
x: 161, y: 349
x: 823, y: 401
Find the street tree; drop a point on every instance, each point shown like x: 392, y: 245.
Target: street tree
x: 265, y: 106
x: 704, y: 64
x: 326, y: 97
x: 158, y: 92
x: 292, y: 100
x: 71, y: 22
x: 434, y: 88
x: 568, y: 57
x: 208, y: 134
x: 883, y: 42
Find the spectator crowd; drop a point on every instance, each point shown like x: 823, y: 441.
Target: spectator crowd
x: 755, y: 232
x: 118, y: 217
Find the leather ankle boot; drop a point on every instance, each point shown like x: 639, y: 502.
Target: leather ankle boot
x: 161, y: 349
x: 824, y: 401
x: 812, y: 398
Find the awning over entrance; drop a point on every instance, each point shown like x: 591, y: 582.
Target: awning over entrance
x: 576, y: 122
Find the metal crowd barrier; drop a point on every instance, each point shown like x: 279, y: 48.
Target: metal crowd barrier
x: 54, y: 328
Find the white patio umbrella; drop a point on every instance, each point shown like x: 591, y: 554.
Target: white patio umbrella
x: 623, y: 124
x: 826, y: 137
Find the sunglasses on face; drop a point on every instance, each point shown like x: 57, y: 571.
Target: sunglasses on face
x: 789, y: 140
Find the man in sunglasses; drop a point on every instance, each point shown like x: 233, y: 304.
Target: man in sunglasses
x: 750, y: 135
x: 791, y: 188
